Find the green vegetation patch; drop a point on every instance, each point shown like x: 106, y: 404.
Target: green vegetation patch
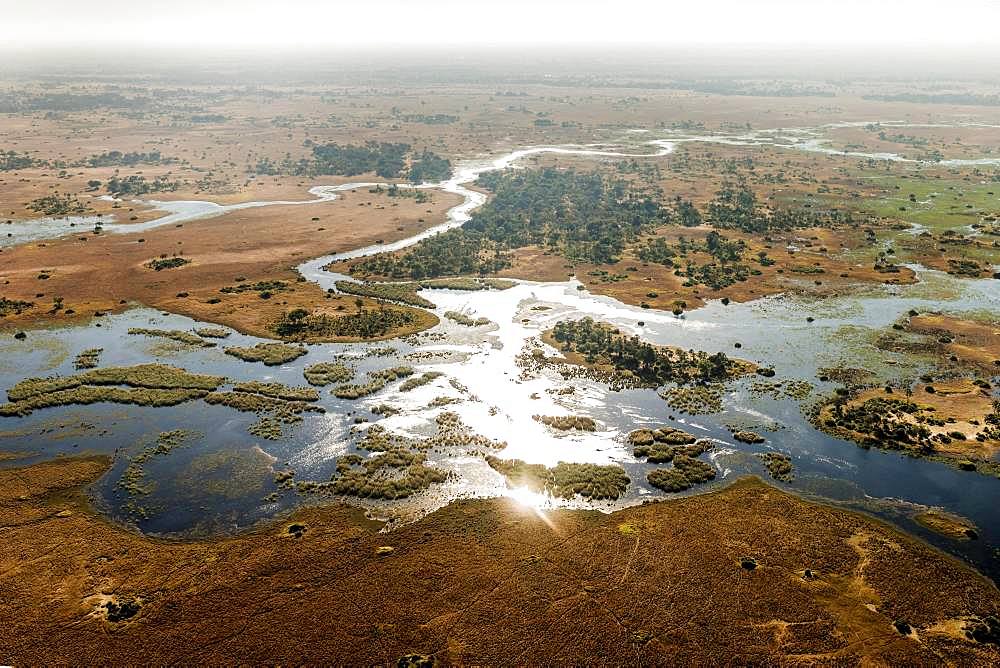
x: 212, y: 332
x: 778, y: 465
x: 463, y: 319
x: 271, y: 354
x: 414, y: 382
x: 278, y: 391
x: 327, y: 373
x: 263, y: 287
x: 586, y: 217
x: 87, y: 394
x: 300, y: 324
x: 697, y: 400
x: 663, y: 445
x: 686, y: 473
x: 564, y: 480
x: 376, y: 381
x: 173, y: 334
x: 405, y: 293
x: 394, y: 474
x: 58, y: 205
x: 151, y: 376
x: 567, y: 422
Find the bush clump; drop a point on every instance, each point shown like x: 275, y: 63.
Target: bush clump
x: 686, y: 473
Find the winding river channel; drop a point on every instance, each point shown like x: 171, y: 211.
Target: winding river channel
x: 483, y: 382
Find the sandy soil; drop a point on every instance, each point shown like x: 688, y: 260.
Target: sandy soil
x: 486, y: 582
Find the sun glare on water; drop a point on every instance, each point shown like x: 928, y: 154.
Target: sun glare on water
x: 533, y: 501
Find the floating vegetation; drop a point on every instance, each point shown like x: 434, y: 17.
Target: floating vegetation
x: 778, y: 465
x: 567, y: 422
x: 747, y: 436
x: 405, y: 293
x: 275, y: 411
x: 564, y: 480
x: 327, y: 373
x: 173, y: 334
x: 267, y: 427
x: 152, y: 376
x: 668, y: 435
x: 278, y: 391
x: 212, y: 332
x: 271, y: 354
x: 376, y: 381
x: 789, y: 389
x: 248, y: 402
x: 451, y: 433
x: 84, y: 395
x: 662, y: 451
x: 88, y: 359
x: 414, y: 382
x: 394, y: 474
x: 437, y: 402
x: 133, y: 480
x: 463, y: 319
x: 160, y: 264
x: 686, y: 473
x: 698, y: 400
x: 229, y: 474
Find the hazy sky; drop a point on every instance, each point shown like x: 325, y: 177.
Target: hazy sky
x: 228, y: 23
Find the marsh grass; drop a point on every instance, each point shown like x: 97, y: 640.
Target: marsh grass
x: 173, y: 334
x: 150, y: 376
x: 327, y: 373
x: 88, y: 359
x: 405, y: 293
x: 271, y: 354
x: 377, y: 380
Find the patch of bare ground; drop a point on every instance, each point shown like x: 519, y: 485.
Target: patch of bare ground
x: 748, y: 574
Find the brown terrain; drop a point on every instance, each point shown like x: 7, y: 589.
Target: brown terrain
x: 962, y: 405
x: 976, y: 344
x: 748, y: 574
x: 108, y: 272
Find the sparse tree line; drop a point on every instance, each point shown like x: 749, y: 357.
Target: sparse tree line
x: 388, y: 160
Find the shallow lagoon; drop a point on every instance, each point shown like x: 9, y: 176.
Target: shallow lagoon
x: 218, y: 479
